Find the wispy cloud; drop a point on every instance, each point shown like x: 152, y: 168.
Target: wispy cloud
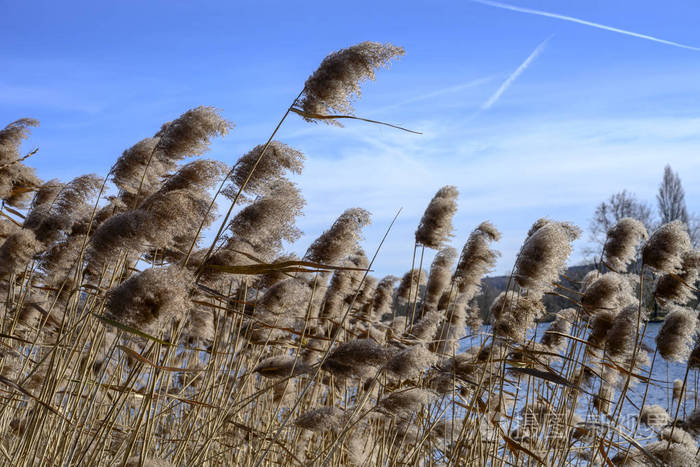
x: 531, y: 11
x: 508, y: 82
x: 564, y: 166
x: 440, y: 92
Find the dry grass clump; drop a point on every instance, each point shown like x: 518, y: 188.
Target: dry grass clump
x: 127, y: 340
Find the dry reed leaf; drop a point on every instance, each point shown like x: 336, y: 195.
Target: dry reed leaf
x: 284, y: 266
x: 142, y: 359
x: 14, y: 211
x: 352, y: 117
x: 130, y: 330
x: 20, y: 389
x: 549, y: 376
x: 10, y: 219
x: 516, y: 447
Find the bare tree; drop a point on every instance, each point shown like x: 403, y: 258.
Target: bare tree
x: 671, y: 203
x: 671, y: 198
x: 618, y: 206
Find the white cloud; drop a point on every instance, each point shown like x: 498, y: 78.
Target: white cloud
x: 512, y: 176
x: 511, y: 79
x: 585, y: 23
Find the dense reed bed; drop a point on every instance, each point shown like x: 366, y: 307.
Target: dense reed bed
x: 128, y: 340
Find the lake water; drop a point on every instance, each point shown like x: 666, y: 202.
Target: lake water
x: 660, y: 389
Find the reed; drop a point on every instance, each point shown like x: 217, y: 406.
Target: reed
x: 126, y: 341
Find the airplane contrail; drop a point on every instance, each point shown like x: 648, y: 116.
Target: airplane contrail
x: 531, y: 11
x: 523, y: 66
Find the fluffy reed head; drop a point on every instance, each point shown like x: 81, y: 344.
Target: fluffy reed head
x: 291, y: 295
x: 654, y: 416
x: 590, y: 277
x: 321, y: 420
x: 410, y: 282
x: 513, y: 315
x: 622, y: 334
x: 190, y: 133
x: 151, y: 300
x: 543, y: 255
x: 356, y: 358
x: 611, y: 291
x: 435, y: 226
x: 269, y: 279
x: 439, y: 278
x: 474, y: 320
x: 268, y: 221
x: 476, y: 259
x: 694, y: 358
x: 281, y: 366
x: 17, y: 250
x: 665, y: 247
x: 47, y: 193
x: 383, y: 296
x: 275, y: 163
x: 201, y: 327
x: 552, y: 338
x: 675, y: 337
x: 7, y: 228
x: 678, y: 288
x: 58, y: 263
x: 404, y: 402
x: 138, y: 168
x: 336, y: 242
x: 17, y: 181
x: 118, y: 233
x: 678, y: 390
x: 51, y: 220
x: 427, y: 326
x: 332, y: 87
x: 622, y: 241
x: 692, y: 422
x: 410, y: 361
x: 345, y: 282
x: 197, y: 175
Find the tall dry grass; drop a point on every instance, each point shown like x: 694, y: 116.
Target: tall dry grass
x: 126, y: 341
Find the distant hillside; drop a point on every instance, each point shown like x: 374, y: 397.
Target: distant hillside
x: 492, y: 286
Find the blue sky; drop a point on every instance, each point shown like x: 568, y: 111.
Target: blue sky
x: 591, y: 113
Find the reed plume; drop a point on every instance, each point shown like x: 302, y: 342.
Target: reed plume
x: 281, y: 366
x: 435, y: 226
x: 278, y: 160
x: 383, y: 296
x: 17, y: 251
x: 125, y: 342
x: 665, y: 247
x: 542, y: 256
x: 410, y: 283
x: 654, y: 416
x: 321, y: 420
x: 678, y: 288
x: 151, y: 300
x: 260, y: 228
x: 675, y: 338
x: 340, y: 239
x: 439, y: 277
x: 404, y: 402
x: 476, y: 260
x: 336, y: 82
x: 611, y: 291
x: 622, y: 241
x: 17, y: 181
